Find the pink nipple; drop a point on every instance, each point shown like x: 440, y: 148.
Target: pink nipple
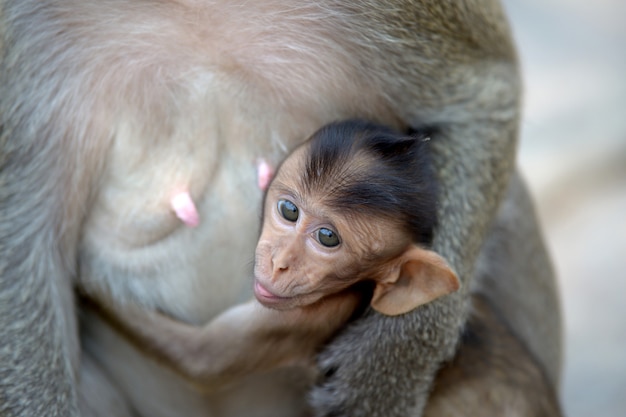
x: 185, y: 209
x: 265, y: 172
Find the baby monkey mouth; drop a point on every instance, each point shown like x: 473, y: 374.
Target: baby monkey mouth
x: 269, y: 299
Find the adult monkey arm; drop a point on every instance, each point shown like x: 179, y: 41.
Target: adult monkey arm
x: 510, y: 356
x: 39, y: 347
x: 462, y: 59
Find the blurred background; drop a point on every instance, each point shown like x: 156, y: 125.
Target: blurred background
x: 573, y: 154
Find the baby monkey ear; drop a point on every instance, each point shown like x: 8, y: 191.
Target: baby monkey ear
x: 417, y: 277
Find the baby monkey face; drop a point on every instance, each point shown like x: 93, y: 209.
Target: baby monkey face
x: 307, y: 250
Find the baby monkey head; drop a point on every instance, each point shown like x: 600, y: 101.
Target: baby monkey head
x: 355, y: 202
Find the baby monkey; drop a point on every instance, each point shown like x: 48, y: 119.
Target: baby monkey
x: 353, y: 207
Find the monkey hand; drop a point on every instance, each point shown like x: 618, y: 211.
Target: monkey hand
x: 382, y: 366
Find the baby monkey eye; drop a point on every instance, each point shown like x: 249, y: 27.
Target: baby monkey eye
x: 327, y: 237
x: 288, y: 210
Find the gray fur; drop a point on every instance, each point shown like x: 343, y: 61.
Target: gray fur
x: 448, y: 65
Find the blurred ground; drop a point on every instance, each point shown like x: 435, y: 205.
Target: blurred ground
x: 573, y: 153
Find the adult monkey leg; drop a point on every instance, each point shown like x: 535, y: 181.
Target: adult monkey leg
x: 470, y: 95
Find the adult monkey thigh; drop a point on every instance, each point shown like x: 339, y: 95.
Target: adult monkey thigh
x: 105, y: 111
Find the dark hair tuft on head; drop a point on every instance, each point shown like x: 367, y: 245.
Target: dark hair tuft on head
x: 370, y: 169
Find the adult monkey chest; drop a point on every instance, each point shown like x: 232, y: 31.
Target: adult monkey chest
x: 193, y: 113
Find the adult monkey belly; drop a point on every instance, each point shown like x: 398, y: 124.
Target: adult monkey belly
x: 108, y: 110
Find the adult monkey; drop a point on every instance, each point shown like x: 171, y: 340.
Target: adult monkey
x: 107, y: 109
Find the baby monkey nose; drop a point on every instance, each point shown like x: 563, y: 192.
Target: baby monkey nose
x: 280, y: 267
x: 279, y: 270
x: 284, y: 257
x: 281, y: 262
